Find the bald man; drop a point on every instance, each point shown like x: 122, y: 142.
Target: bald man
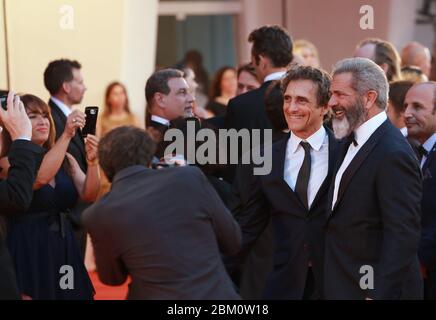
x: 420, y: 117
x: 415, y: 54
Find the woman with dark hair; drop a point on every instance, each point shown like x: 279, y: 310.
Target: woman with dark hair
x: 224, y: 87
x: 117, y: 110
x: 47, y: 259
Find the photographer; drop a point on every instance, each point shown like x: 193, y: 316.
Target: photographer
x: 171, y: 249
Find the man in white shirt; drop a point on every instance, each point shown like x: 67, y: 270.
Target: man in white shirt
x: 373, y: 213
x: 294, y: 194
x: 64, y: 81
x: 421, y: 124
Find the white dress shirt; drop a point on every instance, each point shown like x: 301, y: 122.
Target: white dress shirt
x: 64, y: 108
x: 428, y: 145
x: 160, y: 120
x: 362, y: 135
x: 275, y: 76
x: 404, y: 131
x: 319, y: 155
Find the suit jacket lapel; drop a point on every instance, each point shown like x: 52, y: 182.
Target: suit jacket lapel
x: 278, y: 170
x: 359, y: 159
x: 334, y: 147
x: 60, y: 120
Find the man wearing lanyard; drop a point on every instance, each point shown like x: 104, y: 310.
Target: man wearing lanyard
x: 421, y: 125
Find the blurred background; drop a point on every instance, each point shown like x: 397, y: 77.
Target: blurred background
x: 127, y: 40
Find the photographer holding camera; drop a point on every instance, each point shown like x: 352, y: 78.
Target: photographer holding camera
x: 171, y: 249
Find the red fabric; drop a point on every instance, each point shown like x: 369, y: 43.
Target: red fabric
x: 104, y: 292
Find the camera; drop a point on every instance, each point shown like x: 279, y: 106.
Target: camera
x: 170, y: 161
x: 4, y: 102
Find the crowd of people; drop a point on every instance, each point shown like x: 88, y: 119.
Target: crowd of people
x: 347, y: 210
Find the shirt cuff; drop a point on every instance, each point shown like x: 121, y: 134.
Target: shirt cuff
x: 24, y: 138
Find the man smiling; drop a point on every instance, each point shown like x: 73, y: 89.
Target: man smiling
x: 373, y: 224
x: 294, y: 194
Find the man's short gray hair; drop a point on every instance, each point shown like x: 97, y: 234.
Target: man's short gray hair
x: 367, y: 76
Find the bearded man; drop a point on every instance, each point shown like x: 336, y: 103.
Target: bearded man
x: 373, y: 216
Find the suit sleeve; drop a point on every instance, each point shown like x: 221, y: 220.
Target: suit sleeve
x: 252, y: 211
x: 399, y: 189
x: 17, y: 190
x: 110, y: 268
x: 230, y: 115
x: 226, y: 229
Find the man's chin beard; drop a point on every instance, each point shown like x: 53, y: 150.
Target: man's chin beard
x: 341, y: 128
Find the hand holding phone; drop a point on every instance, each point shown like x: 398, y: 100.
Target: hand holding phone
x: 4, y: 102
x: 91, y: 121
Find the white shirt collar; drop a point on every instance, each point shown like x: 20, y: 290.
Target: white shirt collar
x: 64, y: 108
x: 275, y: 76
x: 160, y: 120
x: 316, y: 140
x: 404, y: 131
x: 365, y: 131
x: 429, y: 144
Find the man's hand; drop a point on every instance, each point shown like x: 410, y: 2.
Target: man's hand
x: 76, y: 119
x: 15, y: 118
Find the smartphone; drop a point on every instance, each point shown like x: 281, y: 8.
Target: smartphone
x: 91, y: 121
x: 4, y: 102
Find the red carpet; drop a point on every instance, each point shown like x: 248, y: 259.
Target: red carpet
x: 103, y: 292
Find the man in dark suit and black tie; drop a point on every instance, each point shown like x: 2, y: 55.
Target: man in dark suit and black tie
x: 373, y: 227
x: 64, y: 82
x: 168, y: 98
x: 165, y: 228
x: 420, y: 117
x: 16, y: 190
x: 271, y: 54
x: 294, y: 194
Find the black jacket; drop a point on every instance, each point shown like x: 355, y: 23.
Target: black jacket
x: 15, y: 197
x: 77, y: 146
x: 375, y: 222
x: 297, y: 233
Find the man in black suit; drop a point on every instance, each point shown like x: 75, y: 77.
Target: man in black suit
x: 16, y: 189
x: 420, y: 117
x: 271, y: 54
x: 294, y: 194
x: 64, y: 82
x: 168, y: 98
x: 165, y: 228
x: 373, y: 212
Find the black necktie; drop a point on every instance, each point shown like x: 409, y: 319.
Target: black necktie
x: 304, y: 175
x: 422, y: 152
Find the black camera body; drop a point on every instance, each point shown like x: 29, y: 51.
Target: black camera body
x: 4, y: 102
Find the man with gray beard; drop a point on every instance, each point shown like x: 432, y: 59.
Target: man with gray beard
x: 373, y: 211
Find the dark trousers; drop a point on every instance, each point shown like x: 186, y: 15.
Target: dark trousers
x: 430, y: 286
x: 309, y: 288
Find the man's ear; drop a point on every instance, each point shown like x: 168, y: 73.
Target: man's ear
x: 159, y: 98
x: 370, y: 97
x: 325, y: 110
x: 264, y: 62
x: 66, y: 87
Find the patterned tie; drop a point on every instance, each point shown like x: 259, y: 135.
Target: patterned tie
x: 304, y: 175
